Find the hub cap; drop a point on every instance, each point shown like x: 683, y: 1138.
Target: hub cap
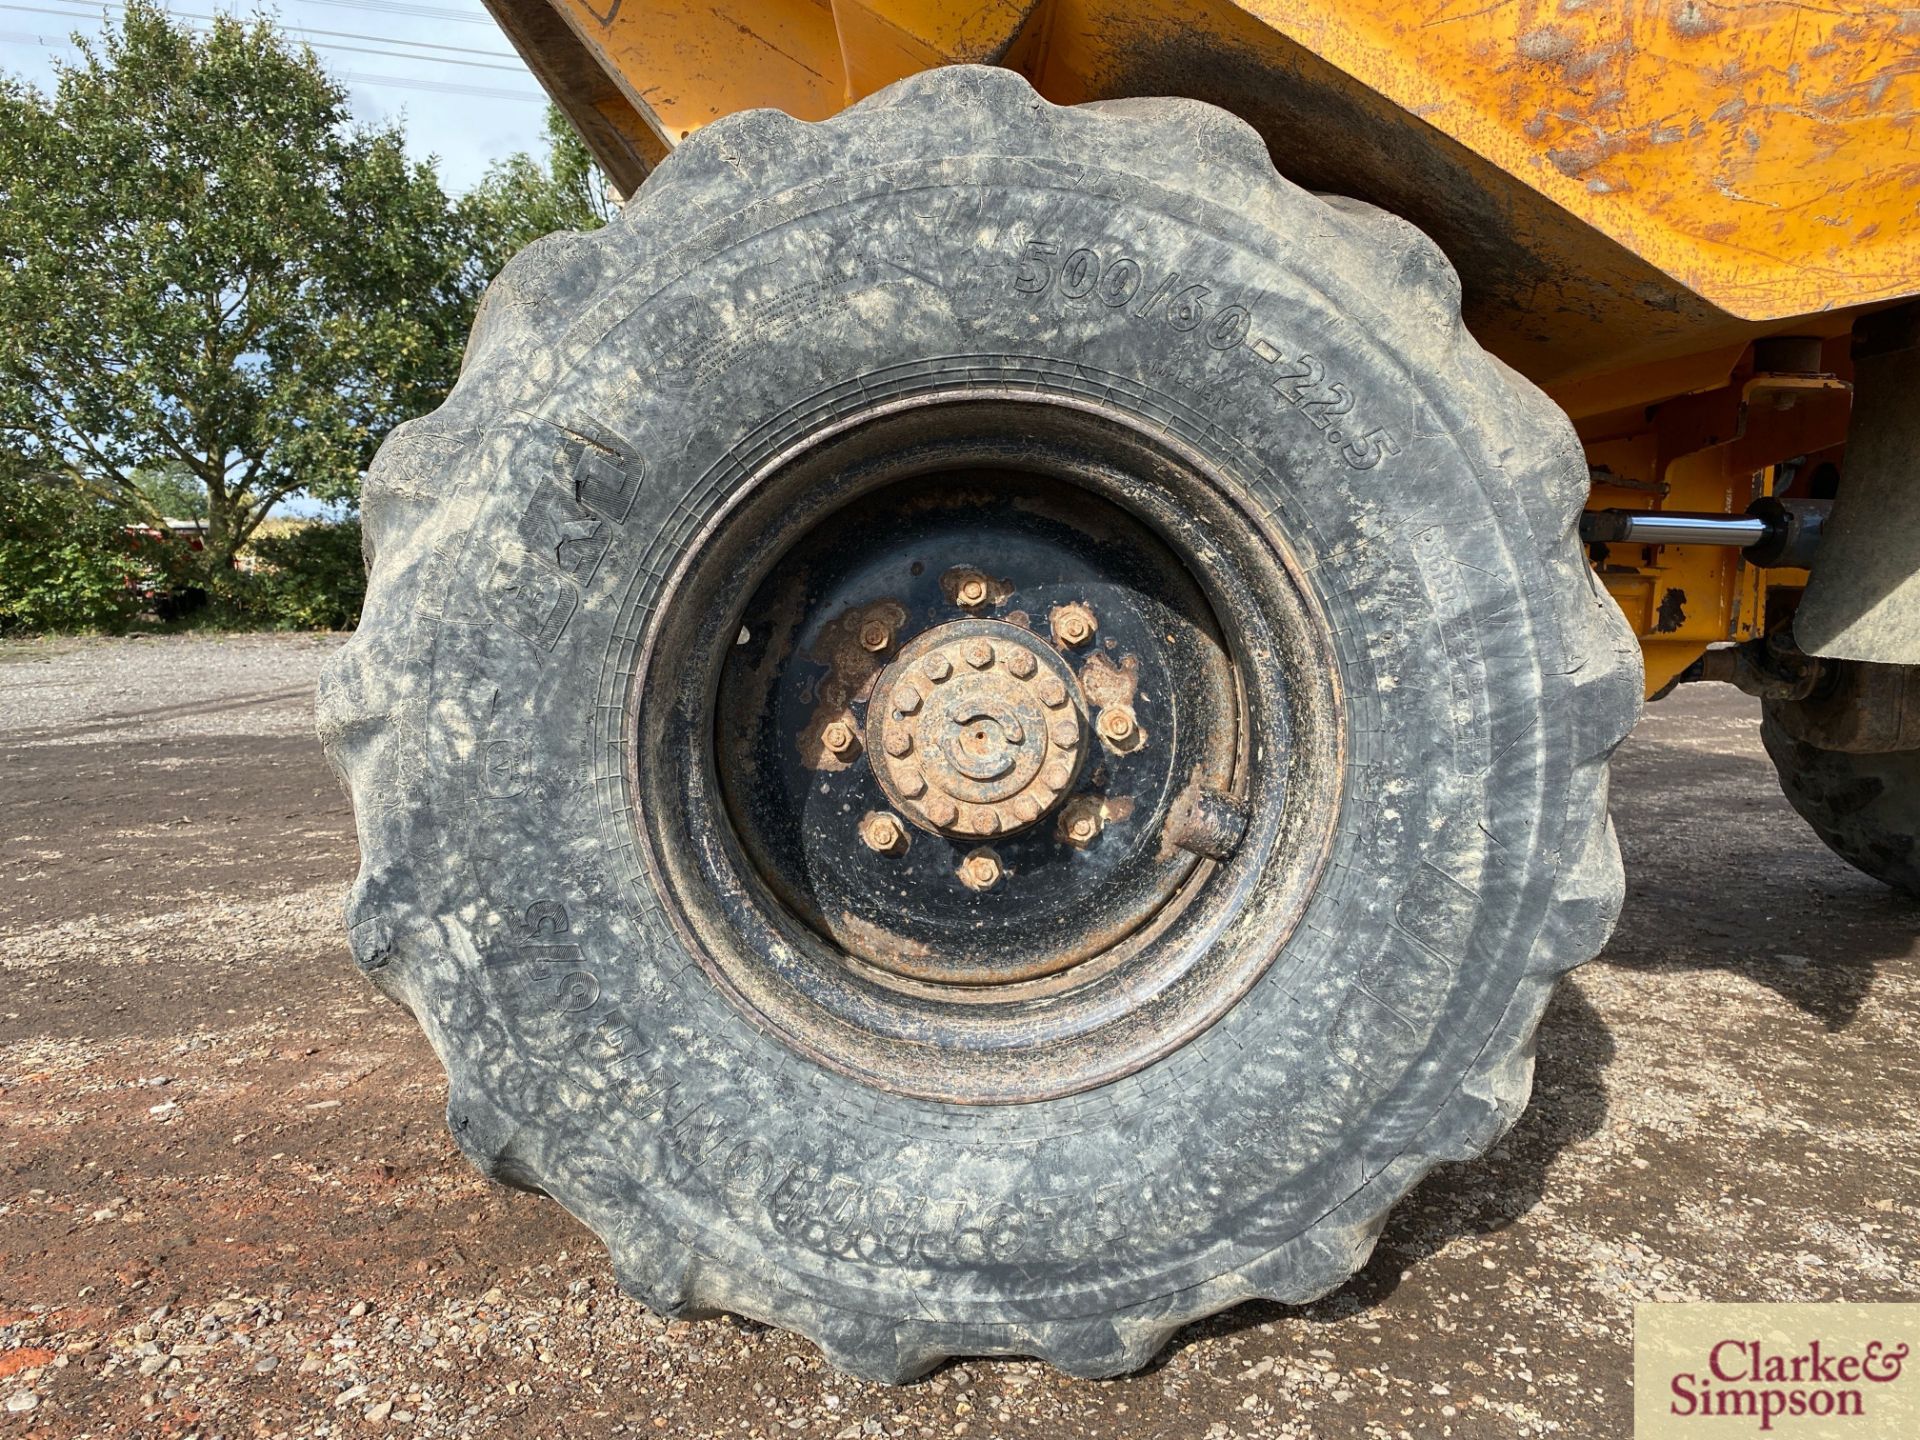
x: 981, y: 728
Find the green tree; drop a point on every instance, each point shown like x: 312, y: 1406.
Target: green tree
x: 170, y: 490
x: 522, y: 197
x: 205, y: 264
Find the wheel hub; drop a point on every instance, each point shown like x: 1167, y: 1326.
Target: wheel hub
x: 955, y: 723
x: 978, y: 729
x: 992, y: 765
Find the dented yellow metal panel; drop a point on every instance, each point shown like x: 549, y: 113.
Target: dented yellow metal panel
x: 686, y: 65
x: 1758, y: 153
x: 882, y: 42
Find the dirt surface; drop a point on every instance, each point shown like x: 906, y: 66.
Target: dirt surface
x: 228, y: 1206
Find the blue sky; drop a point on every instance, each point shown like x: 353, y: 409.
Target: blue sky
x: 444, y: 69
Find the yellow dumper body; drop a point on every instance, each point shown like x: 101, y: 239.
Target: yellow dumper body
x: 1670, y: 216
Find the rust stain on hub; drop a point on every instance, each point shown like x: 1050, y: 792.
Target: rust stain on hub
x: 980, y: 728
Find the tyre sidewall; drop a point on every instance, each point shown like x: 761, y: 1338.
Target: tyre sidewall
x: 589, y: 1050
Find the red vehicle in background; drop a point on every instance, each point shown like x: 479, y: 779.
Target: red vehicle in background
x: 166, y: 581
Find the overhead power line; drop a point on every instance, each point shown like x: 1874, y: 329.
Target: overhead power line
x: 385, y: 39
x: 424, y: 12
x: 513, y: 67
x: 444, y: 87
x: 381, y: 7
x: 335, y: 46
x: 401, y: 82
x: 94, y: 7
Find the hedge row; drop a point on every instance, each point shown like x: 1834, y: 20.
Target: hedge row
x: 70, y: 562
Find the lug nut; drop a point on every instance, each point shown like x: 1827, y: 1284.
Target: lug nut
x: 980, y: 870
x: 911, y: 783
x: 883, y: 833
x: 1081, y: 822
x: 937, y: 667
x: 1026, y: 808
x: 979, y: 654
x: 1065, y: 733
x: 899, y: 743
x: 875, y: 635
x: 1117, y: 726
x: 942, y: 811
x: 1021, y: 663
x: 906, y: 702
x: 838, y: 737
x: 1053, y: 691
x: 971, y: 591
x: 1073, y: 624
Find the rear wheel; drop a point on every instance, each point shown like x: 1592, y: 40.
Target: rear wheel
x: 1847, y: 763
x: 980, y: 729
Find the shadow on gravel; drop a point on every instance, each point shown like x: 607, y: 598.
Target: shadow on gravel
x: 1690, y: 822
x: 1696, y: 825
x: 1478, y: 1198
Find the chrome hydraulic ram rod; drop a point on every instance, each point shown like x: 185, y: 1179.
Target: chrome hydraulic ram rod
x: 1772, y: 533
x: 1657, y: 527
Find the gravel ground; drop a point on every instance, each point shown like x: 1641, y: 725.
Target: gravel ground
x: 228, y: 1206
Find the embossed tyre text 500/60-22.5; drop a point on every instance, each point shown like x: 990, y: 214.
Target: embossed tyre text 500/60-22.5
x: 980, y: 728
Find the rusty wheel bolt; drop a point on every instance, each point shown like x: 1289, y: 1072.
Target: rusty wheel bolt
x: 911, y: 783
x: 937, y: 668
x: 942, y: 811
x: 875, y: 635
x: 838, y: 737
x: 1117, y: 725
x: 979, y: 654
x: 1081, y: 822
x: 980, y: 870
x: 1055, y: 775
x: 883, y: 833
x: 1065, y: 733
x: 907, y: 701
x: 1027, y: 808
x: 899, y: 743
x: 1073, y: 625
x: 971, y: 591
x: 1021, y: 663
x: 1052, y: 692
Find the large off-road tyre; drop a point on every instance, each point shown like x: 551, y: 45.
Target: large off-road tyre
x: 1866, y: 807
x: 1345, y: 721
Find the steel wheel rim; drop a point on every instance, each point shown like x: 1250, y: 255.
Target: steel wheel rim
x: 1040, y: 1034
